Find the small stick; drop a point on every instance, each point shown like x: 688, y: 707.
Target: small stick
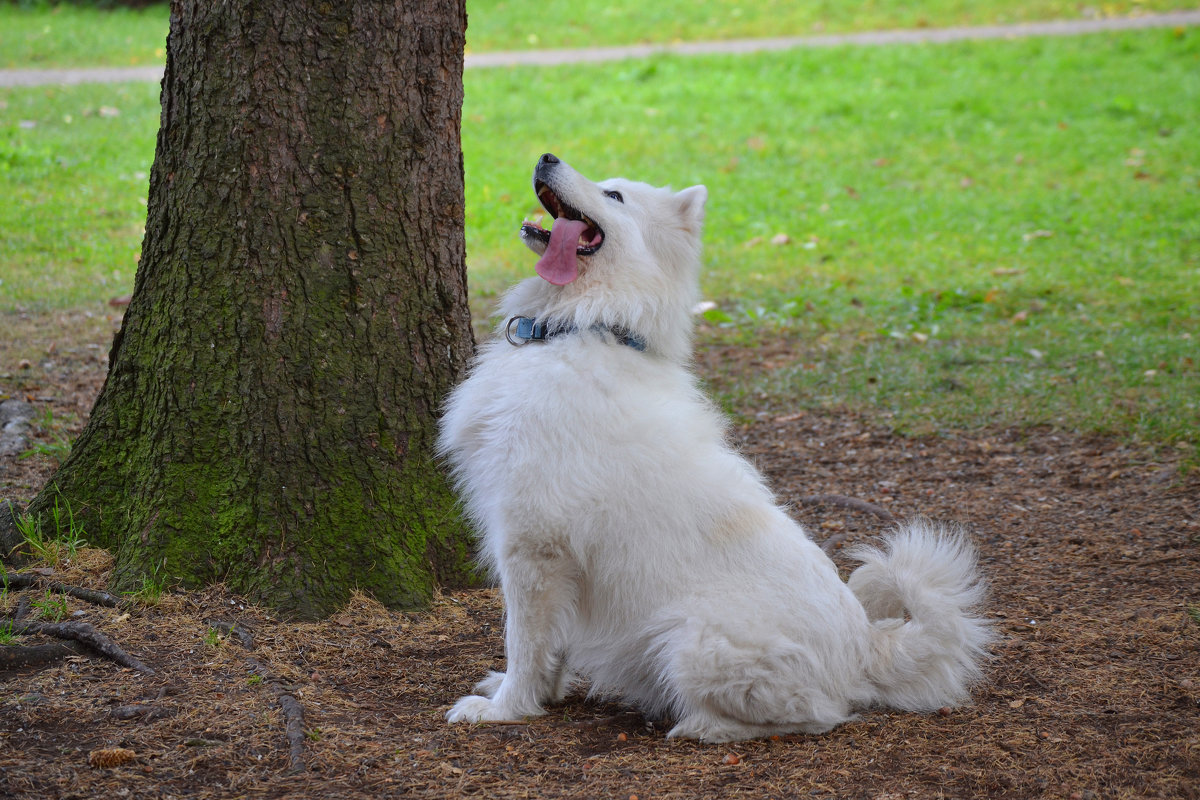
x: 86, y: 635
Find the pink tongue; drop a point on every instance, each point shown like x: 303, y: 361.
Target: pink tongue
x: 559, y: 265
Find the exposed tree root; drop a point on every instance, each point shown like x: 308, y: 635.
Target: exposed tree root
x: 851, y: 503
x: 615, y: 719
x: 86, y: 635
x: 293, y: 711
x: 831, y: 542
x: 22, y: 609
x: 26, y: 580
x: 233, y: 629
x: 140, y: 711
x: 21, y: 656
x: 293, y: 715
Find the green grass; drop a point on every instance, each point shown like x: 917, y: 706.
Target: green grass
x: 1017, y: 206
x: 511, y: 25
x: 989, y: 232
x: 38, y: 34
x: 53, y: 540
x: 73, y: 165
x: 59, y: 448
x: 51, y: 607
x: 151, y: 591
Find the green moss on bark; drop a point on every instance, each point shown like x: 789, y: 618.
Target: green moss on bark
x: 299, y: 312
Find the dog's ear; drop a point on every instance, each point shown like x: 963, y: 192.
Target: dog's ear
x: 691, y: 207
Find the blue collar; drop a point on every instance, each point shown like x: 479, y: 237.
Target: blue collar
x: 523, y: 330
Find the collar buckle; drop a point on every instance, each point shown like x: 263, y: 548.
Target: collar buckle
x: 520, y: 331
x: 527, y: 330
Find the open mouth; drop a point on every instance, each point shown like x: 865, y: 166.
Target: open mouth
x: 589, y: 236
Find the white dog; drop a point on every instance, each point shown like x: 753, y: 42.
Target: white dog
x: 633, y: 546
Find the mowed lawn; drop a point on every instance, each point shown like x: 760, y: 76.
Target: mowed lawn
x: 37, y: 33
x: 1003, y: 232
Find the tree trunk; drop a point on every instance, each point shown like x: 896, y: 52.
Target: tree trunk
x: 298, y: 314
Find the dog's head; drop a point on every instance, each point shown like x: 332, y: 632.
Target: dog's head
x: 618, y: 252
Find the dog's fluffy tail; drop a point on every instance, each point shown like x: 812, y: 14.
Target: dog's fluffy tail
x: 918, y: 590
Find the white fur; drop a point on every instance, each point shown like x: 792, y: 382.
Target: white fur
x: 635, y: 548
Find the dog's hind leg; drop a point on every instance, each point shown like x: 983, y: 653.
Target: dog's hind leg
x: 539, y: 586
x: 727, y: 686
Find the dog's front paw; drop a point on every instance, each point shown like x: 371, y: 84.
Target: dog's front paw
x: 476, y: 708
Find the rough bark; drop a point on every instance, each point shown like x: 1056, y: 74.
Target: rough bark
x: 298, y: 313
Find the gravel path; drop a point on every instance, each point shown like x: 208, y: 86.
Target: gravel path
x: 39, y: 77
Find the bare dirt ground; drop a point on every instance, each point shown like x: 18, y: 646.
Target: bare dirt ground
x: 1092, y: 549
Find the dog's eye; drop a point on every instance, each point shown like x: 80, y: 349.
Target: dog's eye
x: 615, y: 196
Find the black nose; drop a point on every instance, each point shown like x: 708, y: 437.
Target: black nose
x: 548, y: 158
